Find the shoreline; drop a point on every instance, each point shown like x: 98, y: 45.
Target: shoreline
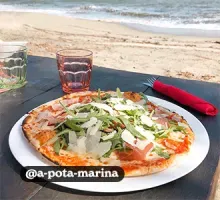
x: 177, y: 31
x: 116, y: 45
x: 148, y: 29
x: 169, y: 30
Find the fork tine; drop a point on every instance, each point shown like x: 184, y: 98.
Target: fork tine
x: 150, y: 81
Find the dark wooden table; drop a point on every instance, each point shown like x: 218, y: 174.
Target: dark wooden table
x: 43, y: 85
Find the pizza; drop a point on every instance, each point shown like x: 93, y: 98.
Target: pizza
x: 108, y: 128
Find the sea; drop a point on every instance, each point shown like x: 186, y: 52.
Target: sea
x: 188, y: 17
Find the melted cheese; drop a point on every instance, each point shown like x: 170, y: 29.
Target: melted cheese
x: 177, y: 136
x: 153, y: 156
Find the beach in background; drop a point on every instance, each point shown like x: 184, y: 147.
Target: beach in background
x: 115, y: 45
x: 182, y: 17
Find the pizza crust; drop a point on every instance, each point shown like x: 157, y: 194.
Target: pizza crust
x: 131, y: 168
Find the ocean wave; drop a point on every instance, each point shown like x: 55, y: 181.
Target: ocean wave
x: 114, y: 11
x: 124, y: 15
x: 18, y: 8
x: 168, y: 24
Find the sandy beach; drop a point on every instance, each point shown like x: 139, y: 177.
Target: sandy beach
x: 116, y: 46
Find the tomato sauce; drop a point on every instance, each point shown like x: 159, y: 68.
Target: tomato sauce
x: 180, y: 147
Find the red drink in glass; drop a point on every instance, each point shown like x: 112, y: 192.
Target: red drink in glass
x: 75, y: 68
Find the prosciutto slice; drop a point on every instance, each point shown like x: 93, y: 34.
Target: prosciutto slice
x: 65, y: 102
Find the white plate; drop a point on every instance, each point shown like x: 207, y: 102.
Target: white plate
x: 27, y: 156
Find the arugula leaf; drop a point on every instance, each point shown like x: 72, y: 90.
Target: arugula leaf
x: 117, y: 144
x: 162, y: 134
x: 99, y: 93
x: 106, y: 155
x: 60, y: 126
x: 119, y: 94
x: 179, y: 128
x: 79, y: 119
x: 81, y: 133
x: 98, y: 98
x: 56, y: 147
x: 63, y: 142
x: 66, y: 138
x: 85, y: 108
x: 143, y: 96
x: 56, y: 137
x: 131, y: 128
x: 159, y: 151
x: 59, y: 144
x: 67, y: 110
x: 72, y: 125
x: 134, y: 112
x: 152, y: 128
x: 106, y: 96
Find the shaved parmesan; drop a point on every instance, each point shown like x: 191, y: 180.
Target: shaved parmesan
x: 88, y: 130
x: 72, y: 137
x: 109, y: 136
x: 148, y: 134
x: 104, y: 107
x: 92, y: 141
x: 129, y: 102
x: 90, y: 123
x: 159, y: 126
x: 80, y: 146
x: 115, y: 100
x: 82, y: 115
x: 76, y: 105
x: 95, y: 128
x: 141, y: 144
x: 126, y: 107
x: 102, y: 148
x: 69, y: 117
x: 128, y: 137
x: 147, y: 120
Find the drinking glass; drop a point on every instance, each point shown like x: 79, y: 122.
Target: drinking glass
x: 13, y: 66
x: 75, y: 68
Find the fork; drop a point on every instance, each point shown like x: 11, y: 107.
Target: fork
x: 150, y: 82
